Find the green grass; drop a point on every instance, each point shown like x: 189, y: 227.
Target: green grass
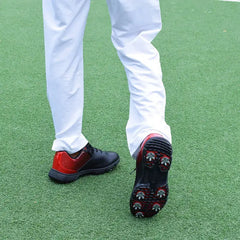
x: 199, y: 47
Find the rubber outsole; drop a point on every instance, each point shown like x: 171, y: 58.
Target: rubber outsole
x: 150, y: 190
x: 68, y: 178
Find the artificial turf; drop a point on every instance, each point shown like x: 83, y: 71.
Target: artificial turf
x: 199, y: 47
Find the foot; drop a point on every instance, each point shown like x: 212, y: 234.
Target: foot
x: 150, y: 191
x: 90, y: 160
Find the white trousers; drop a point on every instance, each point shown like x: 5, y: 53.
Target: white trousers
x: 135, y: 23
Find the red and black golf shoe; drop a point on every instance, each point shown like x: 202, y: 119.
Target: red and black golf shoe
x: 150, y: 191
x: 90, y: 160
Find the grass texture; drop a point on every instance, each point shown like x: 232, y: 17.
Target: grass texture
x: 199, y: 47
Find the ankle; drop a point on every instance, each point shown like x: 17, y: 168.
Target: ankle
x: 75, y: 155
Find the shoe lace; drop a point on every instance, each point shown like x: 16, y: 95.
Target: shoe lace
x: 133, y: 171
x: 90, y: 149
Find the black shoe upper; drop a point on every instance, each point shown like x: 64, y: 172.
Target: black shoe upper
x: 99, y: 158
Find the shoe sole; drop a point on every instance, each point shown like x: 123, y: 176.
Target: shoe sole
x: 150, y: 191
x: 67, y: 178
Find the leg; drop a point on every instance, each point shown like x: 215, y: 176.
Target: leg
x: 64, y: 24
x: 134, y: 25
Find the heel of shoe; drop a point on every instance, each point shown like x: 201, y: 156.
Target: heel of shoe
x: 62, y: 177
x: 158, y: 151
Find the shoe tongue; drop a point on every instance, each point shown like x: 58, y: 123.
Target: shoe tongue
x: 88, y: 148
